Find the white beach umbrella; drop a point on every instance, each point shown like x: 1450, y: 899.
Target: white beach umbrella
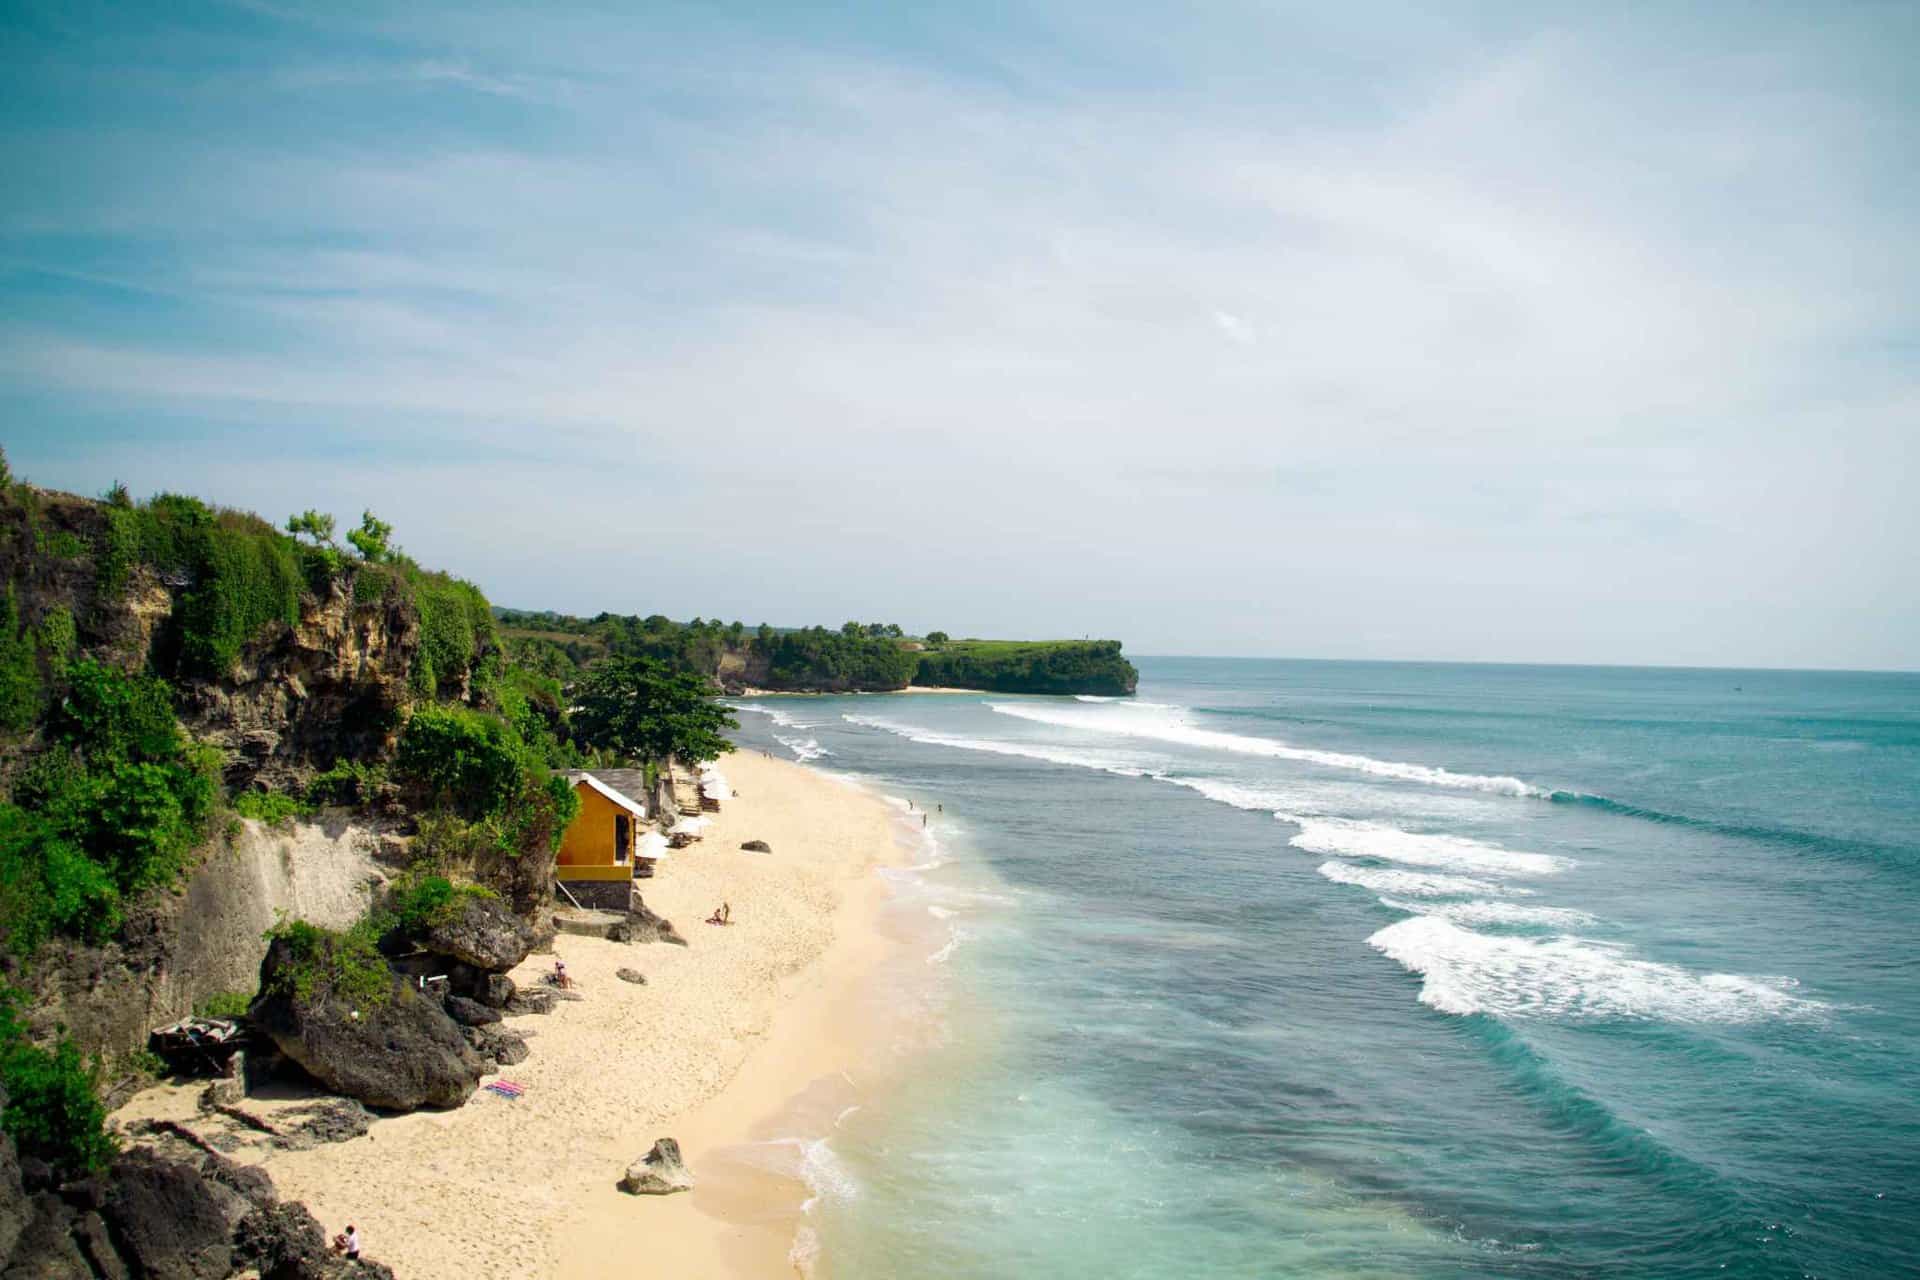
x: 652, y: 845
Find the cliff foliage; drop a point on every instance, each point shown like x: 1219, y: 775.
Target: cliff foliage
x: 155, y: 656
x: 1013, y: 666
x: 855, y: 657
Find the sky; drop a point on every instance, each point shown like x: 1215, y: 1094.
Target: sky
x: 1525, y: 332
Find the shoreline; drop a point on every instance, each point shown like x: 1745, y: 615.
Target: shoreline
x: 721, y: 1048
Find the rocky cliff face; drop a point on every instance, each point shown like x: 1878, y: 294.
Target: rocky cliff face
x: 332, y: 685
x: 208, y: 937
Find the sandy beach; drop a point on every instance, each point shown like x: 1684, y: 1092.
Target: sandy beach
x: 733, y: 1040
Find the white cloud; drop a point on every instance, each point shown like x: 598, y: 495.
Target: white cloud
x: 1487, y: 305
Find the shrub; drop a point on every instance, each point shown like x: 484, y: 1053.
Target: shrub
x: 20, y: 695
x: 347, y: 782
x: 107, y: 714
x: 240, y: 575
x: 223, y: 1004
x: 53, y: 1104
x: 466, y: 758
x: 326, y: 964
x: 274, y: 808
x: 456, y: 627
x: 418, y: 903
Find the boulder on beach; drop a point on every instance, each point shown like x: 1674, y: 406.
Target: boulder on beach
x: 169, y: 1221
x: 399, y: 1052
x: 644, y: 926
x: 756, y: 846
x: 658, y: 1173
x: 631, y: 975
x: 525, y: 1002
x: 483, y: 933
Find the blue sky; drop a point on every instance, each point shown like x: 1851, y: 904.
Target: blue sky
x: 1515, y: 332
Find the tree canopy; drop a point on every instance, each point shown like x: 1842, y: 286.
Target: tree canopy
x: 644, y: 710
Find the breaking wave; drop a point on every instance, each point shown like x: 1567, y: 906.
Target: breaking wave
x: 1571, y: 978
x: 1173, y: 728
x: 1389, y: 844
x: 1415, y: 884
x: 1497, y: 913
x: 782, y: 718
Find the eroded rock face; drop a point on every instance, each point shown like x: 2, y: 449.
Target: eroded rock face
x: 471, y: 1013
x: 401, y: 1054
x: 658, y: 1173
x: 330, y: 686
x: 15, y: 1211
x: 483, y: 934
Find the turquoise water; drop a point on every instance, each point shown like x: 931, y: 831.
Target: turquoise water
x: 1344, y: 969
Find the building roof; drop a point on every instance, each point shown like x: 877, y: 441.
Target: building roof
x: 607, y: 783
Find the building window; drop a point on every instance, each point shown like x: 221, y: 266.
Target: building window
x: 622, y: 836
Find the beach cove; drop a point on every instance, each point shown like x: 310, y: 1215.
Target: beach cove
x: 727, y: 1037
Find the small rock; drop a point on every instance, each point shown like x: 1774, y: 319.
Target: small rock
x: 631, y: 975
x: 658, y: 1173
x: 621, y: 932
x: 757, y: 846
x: 499, y: 991
x: 471, y: 1013
x: 498, y: 1045
x: 524, y: 1002
x: 335, y: 1120
x: 222, y: 1093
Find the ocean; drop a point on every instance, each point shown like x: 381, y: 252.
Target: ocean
x: 1378, y: 969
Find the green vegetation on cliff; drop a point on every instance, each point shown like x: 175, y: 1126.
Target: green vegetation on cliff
x: 855, y: 657
x: 1029, y: 666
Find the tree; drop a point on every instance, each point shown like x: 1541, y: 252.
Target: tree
x: 370, y: 539
x: 312, y: 524
x: 643, y: 710
x: 937, y: 637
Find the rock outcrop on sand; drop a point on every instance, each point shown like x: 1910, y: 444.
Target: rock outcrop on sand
x: 399, y: 1053
x: 658, y: 1173
x: 482, y: 933
x: 756, y: 846
x: 151, y: 1218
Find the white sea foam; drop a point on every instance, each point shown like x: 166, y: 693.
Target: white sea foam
x: 1415, y: 884
x: 941, y: 913
x: 1572, y: 978
x: 804, y: 749
x: 782, y: 718
x: 955, y: 937
x: 1497, y: 913
x: 1169, y: 724
x: 1029, y: 751
x: 1390, y: 844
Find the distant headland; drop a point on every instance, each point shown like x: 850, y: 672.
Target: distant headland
x: 854, y: 658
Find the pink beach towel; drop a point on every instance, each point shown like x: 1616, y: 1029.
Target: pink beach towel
x: 505, y: 1088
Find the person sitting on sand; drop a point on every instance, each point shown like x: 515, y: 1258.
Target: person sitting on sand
x: 560, y: 978
x: 722, y: 914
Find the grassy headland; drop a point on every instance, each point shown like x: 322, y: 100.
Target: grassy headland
x: 856, y: 657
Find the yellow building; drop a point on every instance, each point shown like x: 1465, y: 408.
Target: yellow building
x: 596, y: 864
